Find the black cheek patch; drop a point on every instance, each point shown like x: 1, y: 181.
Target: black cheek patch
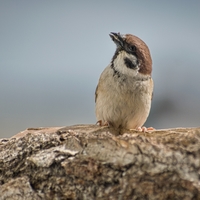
x: 129, y: 64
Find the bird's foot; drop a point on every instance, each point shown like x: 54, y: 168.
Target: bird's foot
x: 101, y: 123
x: 144, y: 129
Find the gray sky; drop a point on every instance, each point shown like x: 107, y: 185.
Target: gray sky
x: 52, y: 54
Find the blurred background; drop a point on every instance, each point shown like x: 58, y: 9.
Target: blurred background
x: 53, y: 52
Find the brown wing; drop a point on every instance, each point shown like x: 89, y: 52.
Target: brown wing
x: 152, y: 88
x: 96, y: 95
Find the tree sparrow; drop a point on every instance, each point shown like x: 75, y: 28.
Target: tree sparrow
x: 124, y: 92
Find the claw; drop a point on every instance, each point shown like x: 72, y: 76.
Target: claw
x: 100, y: 123
x: 144, y: 129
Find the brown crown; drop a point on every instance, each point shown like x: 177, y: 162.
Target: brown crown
x: 142, y: 52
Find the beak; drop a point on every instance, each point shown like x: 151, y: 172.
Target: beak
x: 117, y: 38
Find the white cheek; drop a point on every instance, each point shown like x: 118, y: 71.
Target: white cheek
x: 121, y: 67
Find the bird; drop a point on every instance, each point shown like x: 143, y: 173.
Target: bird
x: 124, y: 92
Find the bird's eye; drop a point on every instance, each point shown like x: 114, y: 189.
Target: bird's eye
x: 132, y: 48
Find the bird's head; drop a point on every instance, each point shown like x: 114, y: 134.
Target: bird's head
x: 132, y: 55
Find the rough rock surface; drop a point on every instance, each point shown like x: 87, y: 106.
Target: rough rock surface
x: 92, y: 162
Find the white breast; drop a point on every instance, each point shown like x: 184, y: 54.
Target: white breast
x: 123, y: 102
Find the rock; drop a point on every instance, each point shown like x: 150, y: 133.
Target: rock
x: 92, y: 162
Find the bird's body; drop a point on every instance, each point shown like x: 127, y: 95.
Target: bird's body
x: 124, y: 92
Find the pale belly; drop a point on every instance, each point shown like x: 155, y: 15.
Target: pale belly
x: 126, y: 109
